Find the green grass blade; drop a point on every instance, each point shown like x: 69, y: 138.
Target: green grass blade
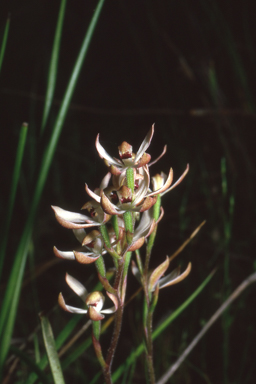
x: 13, y: 190
x: 60, y: 340
x: 51, y: 350
x: 133, y: 356
x: 31, y: 364
x: 4, y: 42
x: 78, y: 351
x: 52, y: 75
x: 10, y: 302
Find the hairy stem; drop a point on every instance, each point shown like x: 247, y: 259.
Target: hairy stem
x: 117, y: 324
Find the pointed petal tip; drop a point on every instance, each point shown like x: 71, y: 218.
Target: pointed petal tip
x: 63, y: 255
x: 62, y: 303
x: 83, y: 258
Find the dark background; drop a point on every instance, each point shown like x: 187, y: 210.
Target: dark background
x: 188, y: 67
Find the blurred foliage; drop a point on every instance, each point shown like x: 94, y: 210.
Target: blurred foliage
x: 188, y: 67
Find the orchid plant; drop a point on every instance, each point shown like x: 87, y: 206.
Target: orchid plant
x: 122, y: 216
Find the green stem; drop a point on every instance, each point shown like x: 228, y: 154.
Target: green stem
x: 100, y: 265
x: 104, y: 233
x: 130, y: 178
x: 96, y: 329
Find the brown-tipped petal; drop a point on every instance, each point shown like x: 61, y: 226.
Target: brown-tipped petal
x: 84, y: 258
x: 114, y: 170
x: 159, y: 157
x: 108, y: 207
x: 145, y: 144
x: 166, y: 185
x: 178, y: 181
x: 61, y: 302
x: 103, y: 153
x: 105, y: 181
x: 69, y: 308
x: 179, y: 278
x: 92, y: 194
x: 148, y: 203
x: 115, y: 301
x: 63, y: 255
x: 171, y: 276
x: 94, y: 315
x: 136, y: 245
x: 145, y: 159
x: 151, y: 229
x: 71, y: 220
x: 158, y: 273
x: 90, y: 237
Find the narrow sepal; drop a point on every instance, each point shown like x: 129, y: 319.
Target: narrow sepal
x: 158, y: 273
x: 145, y: 144
x: 166, y: 185
x: 69, y: 308
x: 178, y: 181
x: 159, y: 157
x: 114, y: 298
x: 76, y: 286
x: 92, y: 194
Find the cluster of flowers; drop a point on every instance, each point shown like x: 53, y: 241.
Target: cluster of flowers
x: 125, y: 188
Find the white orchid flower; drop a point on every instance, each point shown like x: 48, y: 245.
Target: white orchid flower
x: 94, y: 301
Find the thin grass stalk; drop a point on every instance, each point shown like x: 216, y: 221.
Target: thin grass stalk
x: 31, y: 364
x: 4, y: 41
x: 10, y: 302
x: 248, y: 281
x: 51, y: 350
x: 13, y: 191
x: 52, y: 74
